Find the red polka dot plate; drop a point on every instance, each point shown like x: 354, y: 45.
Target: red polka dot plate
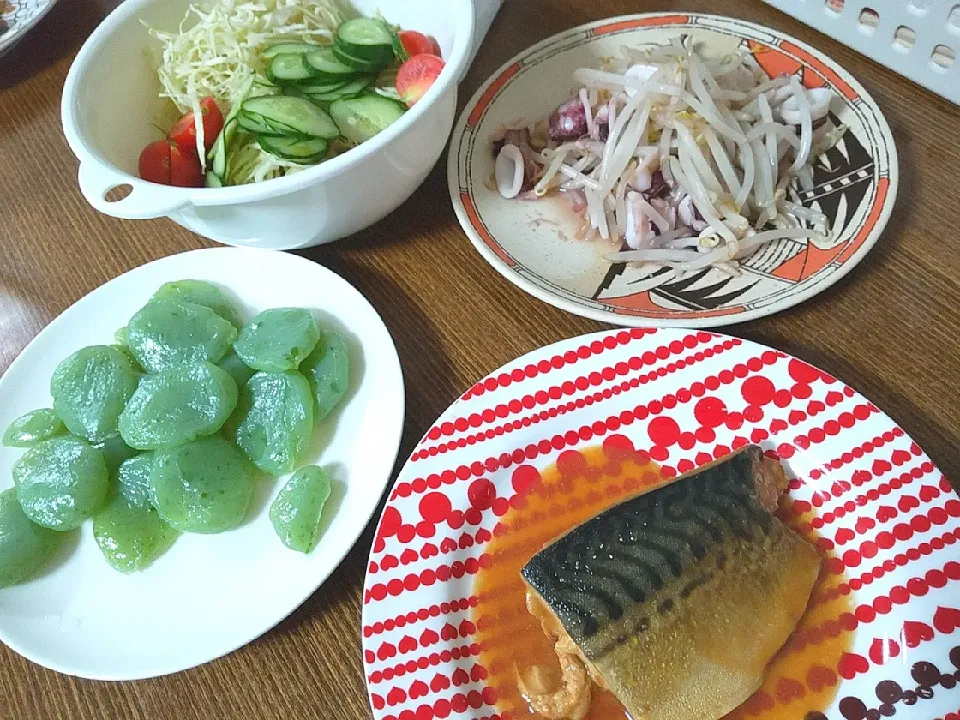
x: 574, y: 427
x: 533, y: 244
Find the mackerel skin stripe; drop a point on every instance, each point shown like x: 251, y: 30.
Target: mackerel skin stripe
x: 677, y: 599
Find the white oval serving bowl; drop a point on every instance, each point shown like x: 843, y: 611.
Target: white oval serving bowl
x: 111, y: 100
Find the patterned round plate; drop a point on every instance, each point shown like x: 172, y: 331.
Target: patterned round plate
x: 570, y: 429
x: 533, y: 245
x: 18, y: 16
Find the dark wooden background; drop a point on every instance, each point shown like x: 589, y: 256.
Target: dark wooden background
x: 889, y: 329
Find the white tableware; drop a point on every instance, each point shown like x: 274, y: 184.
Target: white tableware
x: 536, y: 244
x: 111, y: 100
x: 20, y: 17
x: 209, y: 594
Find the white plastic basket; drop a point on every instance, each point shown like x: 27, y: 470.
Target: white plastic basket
x: 920, y: 39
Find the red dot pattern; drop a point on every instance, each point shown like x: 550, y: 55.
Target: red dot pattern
x: 411, y: 618
x: 569, y: 388
x: 433, y: 659
x: 436, y: 525
x: 456, y: 570
x: 837, y: 567
x: 557, y: 442
x: 884, y: 513
x: 946, y: 620
x: 901, y: 532
x: 830, y: 429
x: 581, y: 383
x: 622, y: 338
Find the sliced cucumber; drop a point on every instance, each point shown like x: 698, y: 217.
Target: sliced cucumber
x: 317, y: 93
x: 359, y: 119
x: 255, y: 124
x: 212, y: 180
x: 366, y: 38
x: 288, y: 48
x: 359, y: 64
x: 357, y: 86
x: 321, y: 88
x: 258, y: 125
x: 347, y: 90
x: 289, y: 69
x: 326, y: 67
x: 300, y: 151
x: 301, y: 116
x: 218, y: 153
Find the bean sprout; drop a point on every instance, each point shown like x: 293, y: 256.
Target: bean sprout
x: 688, y: 159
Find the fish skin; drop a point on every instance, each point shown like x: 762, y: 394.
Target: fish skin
x: 678, y: 598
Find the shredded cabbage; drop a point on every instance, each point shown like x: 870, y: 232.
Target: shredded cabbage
x: 215, y: 53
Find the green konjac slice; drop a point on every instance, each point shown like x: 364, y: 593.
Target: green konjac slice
x: 296, y: 511
x: 165, y: 333
x: 36, y: 426
x: 131, y: 537
x: 239, y: 370
x: 279, y: 339
x: 115, y: 451
x: 204, y: 487
x: 327, y: 369
x: 274, y: 420
x: 133, y: 480
x: 24, y: 546
x: 121, y: 344
x: 200, y: 292
x: 90, y: 388
x: 61, y: 482
x: 133, y: 361
x: 178, y: 405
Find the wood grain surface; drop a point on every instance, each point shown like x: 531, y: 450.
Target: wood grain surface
x: 889, y: 329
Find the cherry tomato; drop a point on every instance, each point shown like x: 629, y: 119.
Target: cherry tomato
x: 154, y: 162
x: 416, y: 76
x: 416, y: 43
x: 185, y: 170
x: 164, y: 162
x: 184, y: 133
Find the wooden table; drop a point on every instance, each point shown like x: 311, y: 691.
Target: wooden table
x: 890, y: 329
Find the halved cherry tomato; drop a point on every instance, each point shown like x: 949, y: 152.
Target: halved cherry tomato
x: 154, y: 162
x: 184, y: 133
x: 164, y: 162
x: 185, y: 170
x: 416, y: 43
x: 416, y: 76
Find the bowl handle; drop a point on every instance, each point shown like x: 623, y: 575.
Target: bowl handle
x: 145, y: 200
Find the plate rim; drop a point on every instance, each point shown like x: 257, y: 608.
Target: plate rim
x: 351, y: 537
x: 629, y: 320
x: 16, y: 32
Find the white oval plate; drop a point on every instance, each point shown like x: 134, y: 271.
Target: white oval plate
x: 209, y: 594
x: 533, y: 244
